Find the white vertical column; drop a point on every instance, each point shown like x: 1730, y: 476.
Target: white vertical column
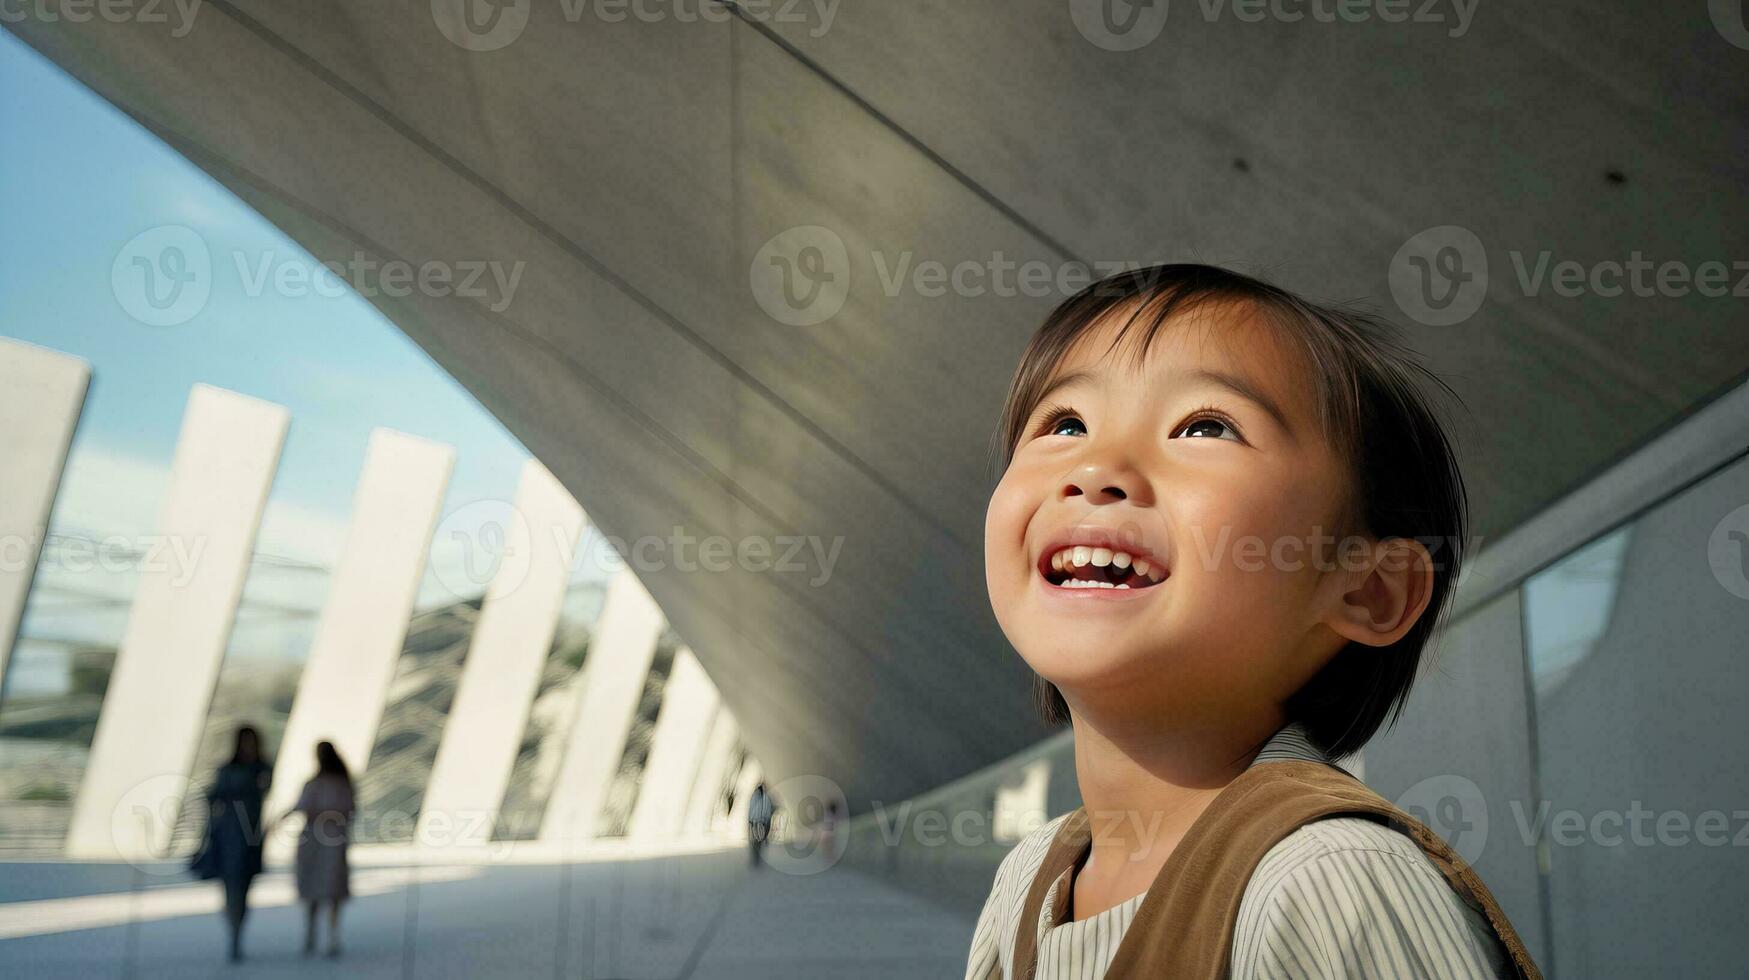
x: 719, y: 750
x: 683, y: 724
x: 503, y: 666
x: 614, y: 671
x: 363, y: 628
x: 41, y: 395
x: 156, y: 704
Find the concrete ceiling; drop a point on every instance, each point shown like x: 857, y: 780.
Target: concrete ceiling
x: 636, y: 169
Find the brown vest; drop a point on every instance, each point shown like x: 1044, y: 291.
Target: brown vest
x: 1184, y: 927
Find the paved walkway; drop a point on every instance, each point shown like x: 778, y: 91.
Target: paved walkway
x: 703, y: 915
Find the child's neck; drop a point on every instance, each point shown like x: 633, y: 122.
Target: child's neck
x: 1143, y: 787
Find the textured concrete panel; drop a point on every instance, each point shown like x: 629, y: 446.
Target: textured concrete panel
x: 1237, y: 138
x: 510, y: 644
x: 42, y: 393
x: 168, y: 661
x: 614, y: 671
x: 358, y: 641
x: 677, y: 750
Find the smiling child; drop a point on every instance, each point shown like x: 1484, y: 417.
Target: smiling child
x: 1227, y: 524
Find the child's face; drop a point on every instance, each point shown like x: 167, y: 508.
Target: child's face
x: 1203, y: 463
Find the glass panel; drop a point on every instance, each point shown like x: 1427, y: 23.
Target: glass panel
x: 1567, y: 608
x: 1636, y: 644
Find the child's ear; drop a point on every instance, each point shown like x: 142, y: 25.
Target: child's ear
x: 1386, y: 597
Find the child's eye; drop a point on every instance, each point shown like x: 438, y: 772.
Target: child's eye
x: 1060, y: 420
x: 1207, y: 427
x: 1068, y: 425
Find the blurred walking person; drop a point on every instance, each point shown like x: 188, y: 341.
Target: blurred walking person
x: 234, y: 831
x: 829, y: 831
x: 759, y: 813
x: 322, y: 873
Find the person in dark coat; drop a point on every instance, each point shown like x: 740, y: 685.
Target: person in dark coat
x: 234, y: 831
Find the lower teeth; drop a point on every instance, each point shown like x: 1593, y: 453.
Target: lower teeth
x: 1076, y: 583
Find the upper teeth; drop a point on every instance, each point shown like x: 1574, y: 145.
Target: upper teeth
x: 1080, y: 556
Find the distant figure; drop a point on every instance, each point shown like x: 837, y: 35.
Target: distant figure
x: 759, y: 811
x: 829, y: 830
x: 234, y: 830
x: 322, y: 873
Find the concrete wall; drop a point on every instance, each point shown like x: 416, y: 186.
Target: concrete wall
x: 945, y: 844
x: 1640, y: 752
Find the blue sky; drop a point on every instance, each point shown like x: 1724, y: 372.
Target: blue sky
x: 78, y: 181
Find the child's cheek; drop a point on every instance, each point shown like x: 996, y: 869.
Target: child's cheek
x: 1238, y: 523
x: 1004, y: 526
x: 1005, y: 559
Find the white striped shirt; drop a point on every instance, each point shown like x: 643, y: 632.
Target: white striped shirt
x: 1339, y: 897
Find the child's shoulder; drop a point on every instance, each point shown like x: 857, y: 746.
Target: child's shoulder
x: 1032, y: 847
x: 1043, y: 836
x: 1023, y: 861
x: 1323, y: 839
x: 1357, y: 882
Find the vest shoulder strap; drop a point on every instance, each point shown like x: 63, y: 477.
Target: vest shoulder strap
x: 1184, y: 927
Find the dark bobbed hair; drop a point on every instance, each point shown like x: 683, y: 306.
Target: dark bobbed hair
x: 329, y: 763
x: 250, y: 733
x: 1374, y: 409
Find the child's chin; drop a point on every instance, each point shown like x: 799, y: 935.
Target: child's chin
x: 1093, y: 667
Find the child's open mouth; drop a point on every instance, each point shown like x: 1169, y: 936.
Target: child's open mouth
x: 1084, y: 567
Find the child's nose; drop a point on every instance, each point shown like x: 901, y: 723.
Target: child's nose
x: 1105, y: 483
